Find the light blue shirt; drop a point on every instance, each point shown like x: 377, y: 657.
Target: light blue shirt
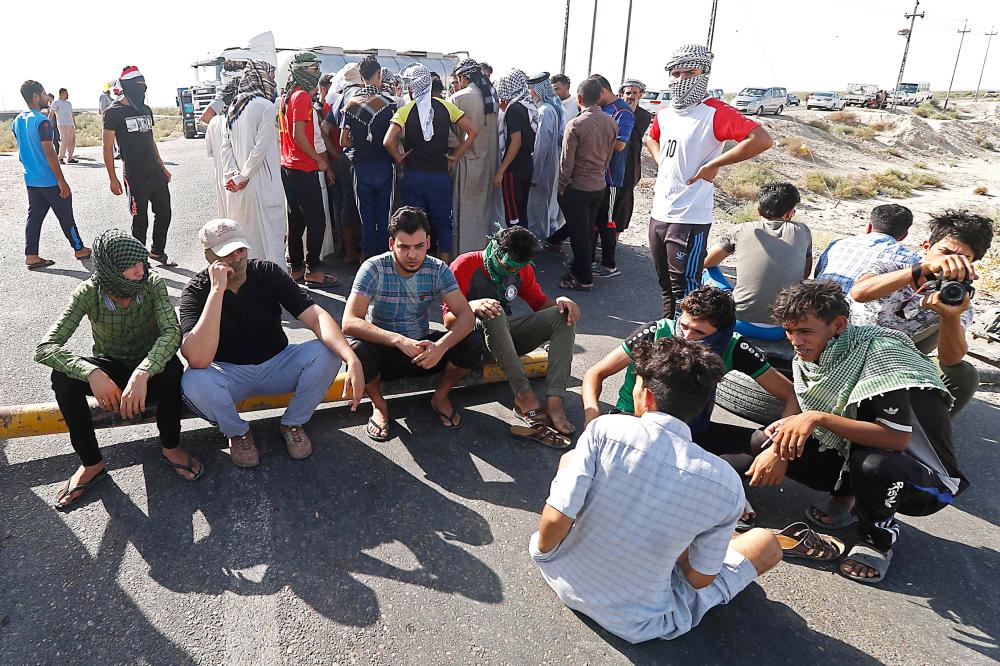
x: 28, y: 131
x: 640, y: 493
x: 845, y: 260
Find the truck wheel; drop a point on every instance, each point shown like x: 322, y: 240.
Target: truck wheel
x: 742, y: 396
x: 189, y: 134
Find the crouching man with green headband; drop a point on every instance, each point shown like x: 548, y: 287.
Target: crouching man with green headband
x: 136, y: 337
x: 491, y: 280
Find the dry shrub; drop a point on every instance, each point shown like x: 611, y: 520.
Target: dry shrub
x: 893, y: 183
x: 797, y: 146
x: 882, y: 125
x: 919, y: 165
x: 845, y: 117
x: 745, y: 212
x: 981, y: 191
x: 931, y: 111
x: 895, y: 152
x: 863, y: 132
x: 745, y: 179
x: 7, y: 140
x: 819, y: 124
x: 979, y: 136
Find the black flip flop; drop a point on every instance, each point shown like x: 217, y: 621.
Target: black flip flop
x: 384, y: 435
x: 82, y: 489
x: 187, y: 468
x: 39, y: 265
x: 449, y: 418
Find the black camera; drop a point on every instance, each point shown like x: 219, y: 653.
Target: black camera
x: 953, y: 292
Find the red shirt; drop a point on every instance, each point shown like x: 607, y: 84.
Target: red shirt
x: 298, y: 108
x: 466, y: 265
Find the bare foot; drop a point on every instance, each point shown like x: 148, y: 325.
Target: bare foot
x: 820, y: 516
x: 554, y: 408
x: 858, y: 570
x: 179, y: 456
x: 82, y: 253
x: 80, y: 477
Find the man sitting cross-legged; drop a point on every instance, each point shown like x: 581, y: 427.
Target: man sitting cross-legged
x: 236, y: 348
x: 387, y: 315
x: 135, y: 358
x: 875, y: 430
x: 637, y: 531
x: 491, y: 280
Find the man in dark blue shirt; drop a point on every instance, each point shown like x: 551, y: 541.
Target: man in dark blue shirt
x: 621, y: 113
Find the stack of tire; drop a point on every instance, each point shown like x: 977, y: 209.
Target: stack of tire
x: 739, y: 394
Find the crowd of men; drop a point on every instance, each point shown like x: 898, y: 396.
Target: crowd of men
x: 638, y: 529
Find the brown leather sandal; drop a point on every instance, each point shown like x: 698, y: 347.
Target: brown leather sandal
x: 799, y: 541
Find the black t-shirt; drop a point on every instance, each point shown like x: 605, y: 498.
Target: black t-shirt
x: 516, y: 119
x: 923, y: 414
x: 427, y: 156
x: 133, y: 130
x: 250, y: 330
x: 633, y: 164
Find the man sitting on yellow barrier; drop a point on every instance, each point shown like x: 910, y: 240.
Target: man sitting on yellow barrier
x: 234, y: 343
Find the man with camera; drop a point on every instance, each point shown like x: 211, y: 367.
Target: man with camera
x: 930, y: 300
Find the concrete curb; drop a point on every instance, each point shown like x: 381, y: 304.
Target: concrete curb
x: 45, y: 418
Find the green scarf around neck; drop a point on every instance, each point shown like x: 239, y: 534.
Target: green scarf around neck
x: 863, y: 362
x: 500, y: 266
x: 114, y: 252
x: 301, y: 73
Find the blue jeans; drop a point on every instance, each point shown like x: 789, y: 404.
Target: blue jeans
x: 306, y: 369
x: 40, y: 201
x: 432, y: 193
x: 373, y: 183
x: 713, y: 277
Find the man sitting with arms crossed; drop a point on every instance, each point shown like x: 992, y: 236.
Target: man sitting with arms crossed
x: 875, y: 429
x: 637, y: 531
x: 844, y: 260
x: 387, y: 315
x: 236, y: 348
x: 896, y: 294
x: 491, y: 280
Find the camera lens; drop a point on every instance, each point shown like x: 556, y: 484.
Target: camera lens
x: 952, y: 293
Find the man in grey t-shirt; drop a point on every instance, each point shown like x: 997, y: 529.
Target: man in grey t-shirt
x: 61, y: 115
x: 651, y: 549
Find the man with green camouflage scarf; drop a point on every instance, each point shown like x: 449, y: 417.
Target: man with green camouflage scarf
x: 491, y: 280
x: 136, y: 337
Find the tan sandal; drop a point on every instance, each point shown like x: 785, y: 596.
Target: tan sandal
x: 799, y: 541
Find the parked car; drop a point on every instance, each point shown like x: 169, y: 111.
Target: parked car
x: 860, y: 94
x: 654, y: 100
x: 793, y: 100
x: 761, y: 100
x: 830, y: 101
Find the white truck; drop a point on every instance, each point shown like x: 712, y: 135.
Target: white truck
x: 911, y: 94
x: 860, y: 94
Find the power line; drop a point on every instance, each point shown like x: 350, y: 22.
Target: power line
x: 990, y: 35
x: 960, y: 42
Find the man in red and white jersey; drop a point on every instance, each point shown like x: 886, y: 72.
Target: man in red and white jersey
x: 687, y: 140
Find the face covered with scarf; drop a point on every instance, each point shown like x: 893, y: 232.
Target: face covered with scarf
x: 257, y: 81
x: 689, y: 67
x: 717, y: 339
x: 418, y: 80
x: 132, y: 85
x: 501, y: 267
x: 304, y: 72
x: 116, y: 253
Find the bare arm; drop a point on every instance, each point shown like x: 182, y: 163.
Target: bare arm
x: 653, y: 146
x: 512, y: 150
x: 200, y: 345
x: 108, y: 141
x: 593, y: 381
x: 346, y: 140
x: 756, y: 142
x: 305, y: 145
x: 325, y: 328
x: 553, y: 527
x: 716, y: 256
x: 871, y: 287
x: 464, y: 320
x: 697, y: 579
x: 471, y: 133
x: 781, y: 388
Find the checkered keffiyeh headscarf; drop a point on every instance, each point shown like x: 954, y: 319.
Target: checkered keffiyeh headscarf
x: 303, y: 72
x: 547, y: 94
x: 512, y: 88
x: 629, y: 83
x: 418, y: 80
x: 686, y: 93
x: 473, y: 71
x: 257, y: 81
x: 389, y: 81
x: 115, y: 251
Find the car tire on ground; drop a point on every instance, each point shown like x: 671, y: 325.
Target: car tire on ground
x: 760, y: 110
x: 808, y: 108
x: 742, y: 396
x: 780, y: 110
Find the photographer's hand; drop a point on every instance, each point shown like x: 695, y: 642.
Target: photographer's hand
x: 952, y: 346
x: 950, y: 267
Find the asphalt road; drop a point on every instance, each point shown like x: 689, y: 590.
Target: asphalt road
x: 408, y: 552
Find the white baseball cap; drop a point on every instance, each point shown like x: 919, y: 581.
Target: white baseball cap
x: 223, y: 237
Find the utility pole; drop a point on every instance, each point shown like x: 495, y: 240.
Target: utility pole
x: 593, y: 31
x: 628, y: 29
x: 562, y: 61
x: 990, y: 35
x: 711, y: 25
x: 906, y: 49
x: 962, y: 39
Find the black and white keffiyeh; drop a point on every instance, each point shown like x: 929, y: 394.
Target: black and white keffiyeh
x: 632, y: 83
x: 685, y: 93
x: 473, y: 71
x: 418, y: 80
x: 389, y: 81
x: 512, y: 88
x: 542, y: 86
x: 257, y: 81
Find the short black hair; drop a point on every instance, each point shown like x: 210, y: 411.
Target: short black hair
x: 892, y: 219
x: 823, y: 298
x: 485, y: 68
x: 603, y: 81
x: 774, y: 200
x: 29, y: 89
x: 369, y: 67
x: 518, y: 242
x: 560, y: 78
x: 682, y: 375
x: 589, y: 91
x: 409, y: 220
x: 326, y: 81
x: 714, y: 305
x: 974, y: 230
x: 63, y: 90
x: 437, y: 87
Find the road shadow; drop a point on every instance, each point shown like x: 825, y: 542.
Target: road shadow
x: 784, y: 639
x: 314, y: 527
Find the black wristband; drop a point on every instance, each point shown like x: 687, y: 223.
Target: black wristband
x: 916, y: 273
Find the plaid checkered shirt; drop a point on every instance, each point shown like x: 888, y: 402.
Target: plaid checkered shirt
x: 845, y: 260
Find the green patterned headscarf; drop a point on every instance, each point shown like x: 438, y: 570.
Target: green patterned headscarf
x: 304, y: 72
x: 116, y: 251
x: 500, y: 266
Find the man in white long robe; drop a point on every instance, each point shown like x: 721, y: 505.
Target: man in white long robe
x: 255, y: 197
x: 543, y: 211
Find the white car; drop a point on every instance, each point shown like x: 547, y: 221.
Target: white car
x: 830, y: 101
x: 654, y: 100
